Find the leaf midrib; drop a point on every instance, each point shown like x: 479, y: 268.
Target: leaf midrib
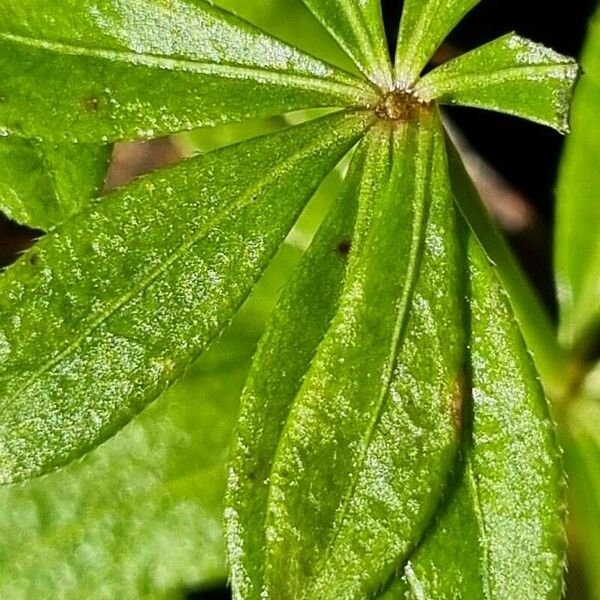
x: 434, y: 87
x: 347, y: 91
x: 365, y: 36
x: 239, y: 204
x: 420, y: 219
x: 410, y: 52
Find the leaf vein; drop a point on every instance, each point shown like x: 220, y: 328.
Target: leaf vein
x: 147, y: 281
x: 345, y: 90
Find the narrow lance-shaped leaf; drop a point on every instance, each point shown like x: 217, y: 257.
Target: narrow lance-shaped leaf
x: 424, y: 26
x: 102, y: 315
x: 577, y: 248
x: 372, y: 432
x: 533, y: 318
x: 107, y: 69
x: 511, y: 75
x: 295, y: 330
x: 501, y: 535
x: 41, y: 184
x: 357, y: 25
x: 148, y: 504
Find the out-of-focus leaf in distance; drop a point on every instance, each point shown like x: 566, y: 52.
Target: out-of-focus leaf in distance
x: 577, y: 248
x: 581, y: 443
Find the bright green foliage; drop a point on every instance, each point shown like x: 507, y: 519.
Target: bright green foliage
x: 577, y: 264
x: 425, y: 25
x: 582, y: 460
x: 375, y: 477
x: 535, y: 323
x: 292, y: 22
x: 141, y: 516
x: 41, y: 184
x: 79, y: 353
x: 500, y: 535
x: 114, y: 69
x: 392, y: 387
x: 358, y: 27
x: 578, y: 213
x: 296, y: 327
x: 511, y: 75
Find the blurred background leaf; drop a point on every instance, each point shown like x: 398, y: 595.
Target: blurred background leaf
x: 581, y: 443
x: 578, y: 210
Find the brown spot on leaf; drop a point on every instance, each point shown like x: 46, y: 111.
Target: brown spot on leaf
x: 458, y: 401
x: 92, y: 104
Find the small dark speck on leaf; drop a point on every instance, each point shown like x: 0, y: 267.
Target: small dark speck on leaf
x: 344, y: 247
x: 91, y: 104
x: 34, y: 258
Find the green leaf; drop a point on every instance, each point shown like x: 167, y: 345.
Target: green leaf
x: 577, y: 248
x: 357, y: 25
x: 42, y: 184
x: 535, y: 322
x: 424, y: 26
x: 292, y: 22
x: 295, y: 330
x: 103, y: 314
x: 501, y: 533
x: 141, y: 516
x: 581, y: 441
x: 341, y: 476
x: 511, y: 75
x: 105, y: 69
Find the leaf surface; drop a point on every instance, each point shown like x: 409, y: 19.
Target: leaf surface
x: 292, y: 22
x: 104, y: 313
x: 581, y: 442
x: 536, y: 324
x: 577, y: 248
x: 295, y: 330
x: 115, y: 69
x: 366, y: 428
x: 42, y: 184
x: 141, y: 516
x: 511, y: 75
x: 357, y: 25
x: 424, y: 26
x: 501, y: 534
